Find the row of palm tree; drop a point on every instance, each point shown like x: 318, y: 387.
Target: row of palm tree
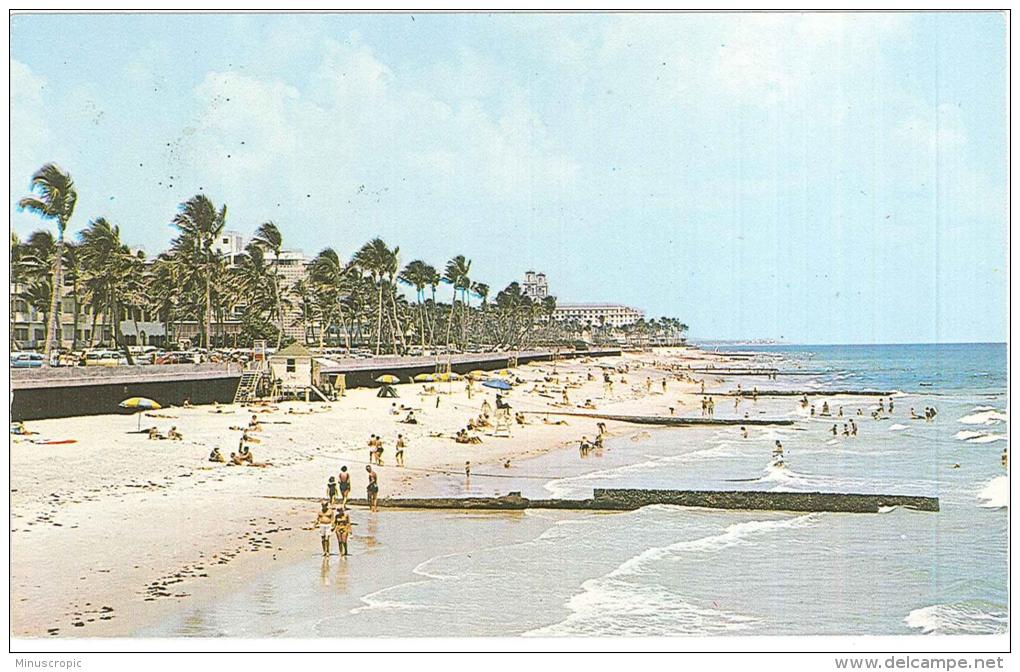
x: 340, y: 302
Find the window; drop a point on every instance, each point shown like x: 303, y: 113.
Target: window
x: 291, y: 365
x: 40, y: 334
x: 21, y: 333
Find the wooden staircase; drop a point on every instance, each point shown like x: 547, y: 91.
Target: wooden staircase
x: 247, y: 387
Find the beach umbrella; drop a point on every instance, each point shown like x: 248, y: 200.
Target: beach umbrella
x: 477, y: 374
x: 140, y: 404
x: 424, y: 378
x: 497, y: 384
x: 387, y: 379
x: 447, y: 377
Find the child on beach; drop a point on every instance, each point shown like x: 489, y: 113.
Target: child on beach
x: 331, y: 490
x: 216, y: 456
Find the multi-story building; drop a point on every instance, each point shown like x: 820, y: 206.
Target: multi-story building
x: 230, y: 244
x: 293, y: 267
x: 535, y: 285
x: 598, y: 314
x: 28, y: 325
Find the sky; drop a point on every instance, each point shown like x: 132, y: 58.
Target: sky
x: 820, y: 178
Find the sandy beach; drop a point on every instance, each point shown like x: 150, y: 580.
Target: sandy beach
x: 115, y: 531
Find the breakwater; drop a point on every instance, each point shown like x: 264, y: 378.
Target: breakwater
x: 668, y: 420
x: 620, y: 499
x: 805, y: 393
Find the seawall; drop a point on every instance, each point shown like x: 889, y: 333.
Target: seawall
x: 62, y: 392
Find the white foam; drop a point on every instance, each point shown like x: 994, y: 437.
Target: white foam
x: 983, y: 408
x: 987, y: 438
x: 995, y: 494
x: 620, y: 608
x: 965, y: 434
x: 984, y: 418
x: 957, y: 619
x: 730, y: 536
x: 897, y: 427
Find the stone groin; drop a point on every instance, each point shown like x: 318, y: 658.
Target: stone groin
x: 667, y: 420
x: 807, y: 393
x: 617, y: 499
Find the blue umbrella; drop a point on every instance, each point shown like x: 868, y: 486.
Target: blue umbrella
x: 497, y: 384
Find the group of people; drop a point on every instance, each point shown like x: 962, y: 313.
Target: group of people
x: 849, y: 429
x: 173, y: 434
x: 929, y: 414
x: 587, y: 447
x: 375, y: 449
x: 707, y: 406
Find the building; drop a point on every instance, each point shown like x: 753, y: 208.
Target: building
x: 598, y: 314
x: 293, y: 268
x: 535, y: 286
x: 229, y: 246
x: 77, y: 326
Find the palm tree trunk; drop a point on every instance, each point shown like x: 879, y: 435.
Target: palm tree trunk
x: 52, y: 319
x: 208, y: 308
x: 378, y: 328
x: 279, y: 309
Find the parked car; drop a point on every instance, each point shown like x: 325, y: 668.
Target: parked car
x: 104, y: 358
x: 26, y: 360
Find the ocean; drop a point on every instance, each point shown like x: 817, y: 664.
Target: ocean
x: 666, y: 571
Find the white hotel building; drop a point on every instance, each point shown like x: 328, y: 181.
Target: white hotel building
x: 596, y: 314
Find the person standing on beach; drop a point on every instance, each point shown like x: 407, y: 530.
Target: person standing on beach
x: 325, y: 522
x: 344, y: 483
x: 331, y: 490
x: 342, y: 529
x: 467, y: 471
x: 401, y: 444
x: 372, y: 489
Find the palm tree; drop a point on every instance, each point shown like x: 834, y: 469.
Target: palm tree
x: 457, y: 274
x: 374, y: 259
x: 330, y: 276
x: 268, y: 236
x: 418, y: 274
x: 56, y: 199
x: 109, y: 272
x: 200, y: 224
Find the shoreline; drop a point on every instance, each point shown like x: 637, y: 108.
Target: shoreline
x: 116, y: 532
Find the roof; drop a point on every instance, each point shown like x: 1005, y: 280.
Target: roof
x: 294, y: 350
x: 594, y: 306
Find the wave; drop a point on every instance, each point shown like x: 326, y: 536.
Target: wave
x: 612, y: 604
x: 608, y: 606
x: 995, y: 494
x: 974, y: 617
x: 984, y: 418
x: 897, y: 427
x: 733, y: 534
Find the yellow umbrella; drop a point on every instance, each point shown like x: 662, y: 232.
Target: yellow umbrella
x: 424, y: 378
x: 140, y: 404
x: 445, y: 377
x: 387, y: 379
x: 477, y: 374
